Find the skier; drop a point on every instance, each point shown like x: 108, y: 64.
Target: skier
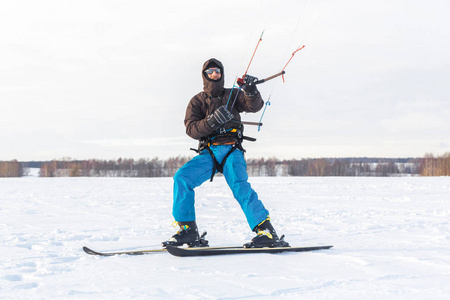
x: 218, y: 128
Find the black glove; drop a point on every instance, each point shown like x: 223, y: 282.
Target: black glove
x: 219, y: 117
x: 250, y: 89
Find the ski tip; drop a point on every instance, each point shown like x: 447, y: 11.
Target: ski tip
x: 92, y: 252
x: 89, y: 251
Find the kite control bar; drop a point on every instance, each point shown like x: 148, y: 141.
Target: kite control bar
x: 254, y: 80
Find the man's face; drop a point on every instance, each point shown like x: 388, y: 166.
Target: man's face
x: 213, y: 73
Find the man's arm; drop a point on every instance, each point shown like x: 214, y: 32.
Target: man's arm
x: 195, y: 120
x: 248, y: 103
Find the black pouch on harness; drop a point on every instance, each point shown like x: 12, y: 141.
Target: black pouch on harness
x: 234, y: 135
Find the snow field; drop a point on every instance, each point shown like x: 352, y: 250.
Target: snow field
x: 391, y: 239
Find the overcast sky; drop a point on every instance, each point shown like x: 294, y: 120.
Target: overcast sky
x: 109, y: 79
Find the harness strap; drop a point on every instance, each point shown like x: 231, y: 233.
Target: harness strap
x: 234, y: 133
x: 218, y: 166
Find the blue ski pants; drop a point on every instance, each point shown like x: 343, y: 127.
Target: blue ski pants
x: 200, y: 168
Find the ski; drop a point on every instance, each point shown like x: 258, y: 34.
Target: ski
x: 135, y: 252
x: 139, y: 252
x: 237, y: 250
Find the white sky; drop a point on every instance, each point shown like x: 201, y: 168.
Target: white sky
x: 109, y: 79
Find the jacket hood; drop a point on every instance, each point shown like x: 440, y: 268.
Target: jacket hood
x: 212, y: 87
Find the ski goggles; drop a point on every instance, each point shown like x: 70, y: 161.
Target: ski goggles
x: 211, y: 70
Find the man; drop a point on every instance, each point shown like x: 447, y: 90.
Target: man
x: 217, y: 126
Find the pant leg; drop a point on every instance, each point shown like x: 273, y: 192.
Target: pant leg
x: 235, y: 172
x: 191, y: 175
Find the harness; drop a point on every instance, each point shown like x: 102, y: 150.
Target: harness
x: 235, y: 134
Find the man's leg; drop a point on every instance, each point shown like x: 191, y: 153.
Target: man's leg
x: 235, y: 172
x: 191, y: 175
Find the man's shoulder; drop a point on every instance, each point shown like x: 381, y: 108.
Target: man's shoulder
x: 200, y: 97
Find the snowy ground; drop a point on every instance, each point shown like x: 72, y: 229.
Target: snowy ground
x: 391, y: 240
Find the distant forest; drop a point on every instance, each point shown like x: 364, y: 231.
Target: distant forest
x: 429, y: 165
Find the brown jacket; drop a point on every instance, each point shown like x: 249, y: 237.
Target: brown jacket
x: 213, y: 96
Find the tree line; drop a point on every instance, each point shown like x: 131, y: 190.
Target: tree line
x: 122, y: 167
x: 255, y: 167
x: 11, y: 168
x: 435, y: 166
x: 429, y: 165
x: 334, y: 167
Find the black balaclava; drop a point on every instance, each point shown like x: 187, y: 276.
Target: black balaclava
x: 211, y: 87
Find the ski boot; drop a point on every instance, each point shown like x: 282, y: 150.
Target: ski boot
x: 187, y: 234
x: 266, y: 237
